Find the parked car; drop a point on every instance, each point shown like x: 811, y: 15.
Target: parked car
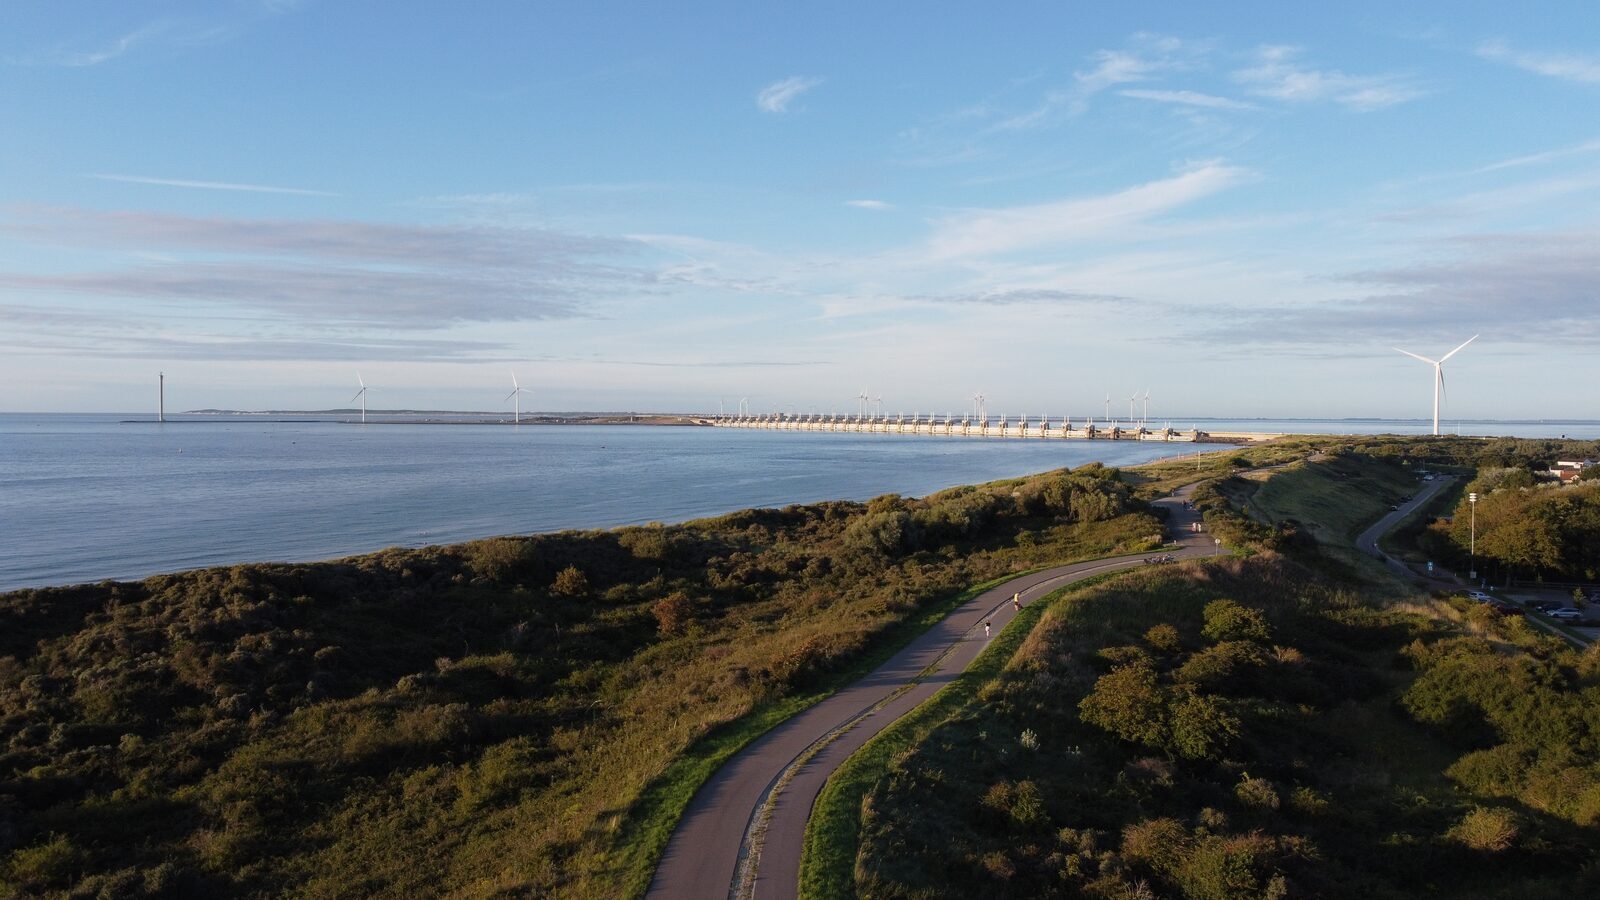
x: 1479, y: 596
x: 1506, y: 609
x: 1392, y: 507
x: 1545, y: 606
x: 1566, y: 614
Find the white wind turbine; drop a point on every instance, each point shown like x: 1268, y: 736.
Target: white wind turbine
x: 863, y: 398
x: 1438, y: 374
x: 1132, y: 401
x: 978, y: 408
x: 517, y: 391
x: 1144, y: 418
x: 362, y: 396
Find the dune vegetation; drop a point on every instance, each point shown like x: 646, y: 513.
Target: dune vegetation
x: 1285, y: 721
x: 509, y: 716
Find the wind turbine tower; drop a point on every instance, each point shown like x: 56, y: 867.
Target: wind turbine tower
x: 1438, y: 375
x: 161, y: 397
x: 517, y: 391
x: 362, y: 396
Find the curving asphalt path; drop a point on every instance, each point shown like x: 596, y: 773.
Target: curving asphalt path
x: 1367, y: 541
x: 754, y: 809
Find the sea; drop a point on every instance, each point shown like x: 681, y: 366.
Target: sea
x: 86, y: 497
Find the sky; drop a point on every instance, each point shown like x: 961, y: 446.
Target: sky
x: 1239, y: 208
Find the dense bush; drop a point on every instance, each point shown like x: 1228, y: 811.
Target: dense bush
x: 1256, y: 726
x: 477, y: 718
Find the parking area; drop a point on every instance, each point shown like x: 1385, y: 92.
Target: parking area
x: 1531, y: 600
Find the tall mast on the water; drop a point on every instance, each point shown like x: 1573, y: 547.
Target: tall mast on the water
x: 161, y: 397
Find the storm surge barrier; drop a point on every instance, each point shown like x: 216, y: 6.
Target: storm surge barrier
x: 966, y: 426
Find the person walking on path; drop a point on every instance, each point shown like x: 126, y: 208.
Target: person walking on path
x: 1016, y: 601
x: 986, y: 629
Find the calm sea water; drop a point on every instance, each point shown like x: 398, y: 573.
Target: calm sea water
x: 89, y: 497
x: 85, y: 498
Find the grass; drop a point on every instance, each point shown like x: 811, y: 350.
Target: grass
x: 833, y: 832
x: 1158, y: 479
x: 1335, y: 499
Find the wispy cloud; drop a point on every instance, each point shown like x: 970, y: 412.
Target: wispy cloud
x: 1533, y: 159
x: 334, y: 271
x: 1567, y: 66
x: 1146, y: 56
x: 776, y: 97
x: 80, y: 57
x: 1278, y: 74
x: 1109, y: 217
x: 1187, y: 98
x: 877, y: 205
x: 211, y: 185
x: 217, y: 26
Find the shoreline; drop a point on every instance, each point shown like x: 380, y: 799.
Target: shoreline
x: 338, y: 557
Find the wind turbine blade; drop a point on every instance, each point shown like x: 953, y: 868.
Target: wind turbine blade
x: 1444, y: 394
x: 510, y: 395
x: 1430, y: 362
x: 514, y: 380
x: 358, y: 394
x: 359, y: 381
x: 1458, y: 349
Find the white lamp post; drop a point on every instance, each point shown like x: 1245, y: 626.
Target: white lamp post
x: 1472, y: 536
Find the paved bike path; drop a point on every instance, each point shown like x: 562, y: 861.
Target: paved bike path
x: 703, y: 855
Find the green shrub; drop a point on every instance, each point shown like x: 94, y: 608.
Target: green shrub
x: 1202, y: 728
x: 499, y: 560
x: 1164, y: 637
x: 1224, y: 869
x: 1161, y: 844
x: 53, y: 862
x: 1129, y: 703
x: 673, y: 612
x: 570, y: 582
x: 1226, y: 620
x: 1256, y: 792
x: 1488, y: 829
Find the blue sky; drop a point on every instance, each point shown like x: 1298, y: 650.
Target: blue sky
x: 657, y: 206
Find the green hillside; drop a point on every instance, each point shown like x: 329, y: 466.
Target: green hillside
x: 1264, y: 725
x: 523, y: 715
